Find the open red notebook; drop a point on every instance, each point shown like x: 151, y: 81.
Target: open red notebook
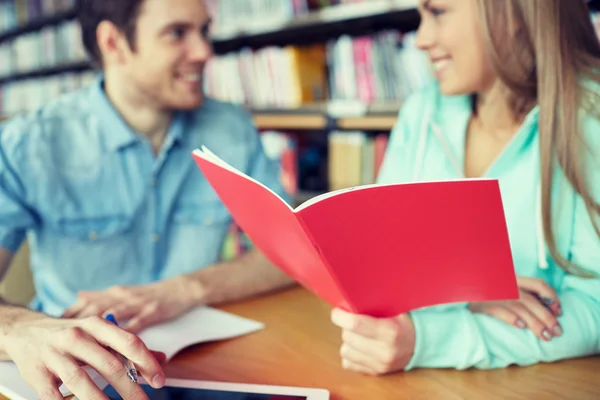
x: 379, y: 250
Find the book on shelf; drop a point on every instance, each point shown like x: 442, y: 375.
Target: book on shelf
x: 379, y: 250
x: 48, y: 47
x: 384, y: 67
x: 281, y: 148
x: 231, y: 18
x: 354, y: 158
x: 15, y: 13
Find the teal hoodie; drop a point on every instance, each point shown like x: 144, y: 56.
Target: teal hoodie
x: 426, y: 144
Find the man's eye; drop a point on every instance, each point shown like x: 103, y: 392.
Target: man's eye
x: 177, y: 33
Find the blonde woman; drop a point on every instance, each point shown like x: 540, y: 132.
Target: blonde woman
x: 516, y: 99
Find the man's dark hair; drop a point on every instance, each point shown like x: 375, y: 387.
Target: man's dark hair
x: 122, y: 13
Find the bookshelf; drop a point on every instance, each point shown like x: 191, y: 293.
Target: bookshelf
x: 315, y: 26
x: 38, y: 23
x: 304, y: 131
x: 366, y: 50
x: 71, y: 67
x: 349, y: 18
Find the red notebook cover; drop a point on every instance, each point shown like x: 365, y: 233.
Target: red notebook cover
x: 379, y: 250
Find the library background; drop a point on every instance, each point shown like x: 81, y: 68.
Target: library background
x: 323, y: 79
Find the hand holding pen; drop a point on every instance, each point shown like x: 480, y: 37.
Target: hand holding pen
x: 50, y: 350
x: 127, y: 364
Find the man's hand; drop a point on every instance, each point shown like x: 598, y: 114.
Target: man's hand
x: 537, y: 309
x: 48, y: 351
x: 375, y: 346
x: 141, y: 306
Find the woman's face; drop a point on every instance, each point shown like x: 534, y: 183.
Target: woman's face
x: 451, y: 33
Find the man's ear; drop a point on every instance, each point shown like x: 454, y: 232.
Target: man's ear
x: 112, y: 43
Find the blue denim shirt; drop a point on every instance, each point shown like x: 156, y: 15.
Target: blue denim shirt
x: 99, y: 208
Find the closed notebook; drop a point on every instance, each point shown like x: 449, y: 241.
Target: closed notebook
x: 379, y: 250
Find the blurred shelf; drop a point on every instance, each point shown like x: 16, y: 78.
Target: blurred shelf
x: 333, y: 21
x: 78, y: 66
x: 37, y: 24
x: 368, y: 123
x: 319, y: 26
x: 290, y: 121
x: 375, y: 117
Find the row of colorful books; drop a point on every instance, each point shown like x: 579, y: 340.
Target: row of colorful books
x: 49, y: 47
x: 383, y: 67
x: 28, y: 95
x: 233, y: 17
x: 14, y: 13
x: 351, y: 158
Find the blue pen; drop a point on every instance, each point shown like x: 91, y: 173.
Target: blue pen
x: 131, y: 371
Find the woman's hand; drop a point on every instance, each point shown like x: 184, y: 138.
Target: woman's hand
x: 537, y: 309
x: 375, y: 346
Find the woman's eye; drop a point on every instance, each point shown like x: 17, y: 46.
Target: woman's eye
x: 436, y: 11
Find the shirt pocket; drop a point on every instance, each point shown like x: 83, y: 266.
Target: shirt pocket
x: 93, y: 228
x: 95, y: 252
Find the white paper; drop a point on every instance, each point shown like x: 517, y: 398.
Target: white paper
x: 13, y: 386
x: 202, y: 324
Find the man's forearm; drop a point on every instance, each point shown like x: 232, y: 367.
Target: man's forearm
x: 248, y: 275
x: 9, y: 315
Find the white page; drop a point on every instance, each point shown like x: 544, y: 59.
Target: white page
x: 13, y: 386
x: 202, y: 324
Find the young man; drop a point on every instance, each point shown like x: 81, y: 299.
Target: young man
x: 119, y: 218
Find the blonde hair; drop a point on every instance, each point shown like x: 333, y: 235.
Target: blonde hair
x: 542, y: 51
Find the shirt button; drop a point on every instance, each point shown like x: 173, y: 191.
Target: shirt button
x: 93, y: 236
x: 208, y: 220
x: 155, y: 238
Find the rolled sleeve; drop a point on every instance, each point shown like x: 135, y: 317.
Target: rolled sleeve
x: 15, y: 217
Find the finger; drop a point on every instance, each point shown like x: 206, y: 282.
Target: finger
x: 365, y: 361
x: 43, y: 382
x: 350, y: 366
x: 91, y: 311
x: 108, y: 364
x: 74, y: 377
x: 546, y: 293
x: 505, y: 315
x: 548, y: 303
x: 532, y: 323
x: 129, y: 345
x: 160, y: 356
x: 363, y: 325
x: 148, y: 316
x: 123, y: 311
x: 74, y: 310
x: 546, y: 324
x: 370, y: 347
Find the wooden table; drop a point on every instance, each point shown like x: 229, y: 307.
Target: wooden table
x: 299, y: 347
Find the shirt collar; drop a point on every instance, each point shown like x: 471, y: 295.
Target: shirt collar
x: 117, y: 133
